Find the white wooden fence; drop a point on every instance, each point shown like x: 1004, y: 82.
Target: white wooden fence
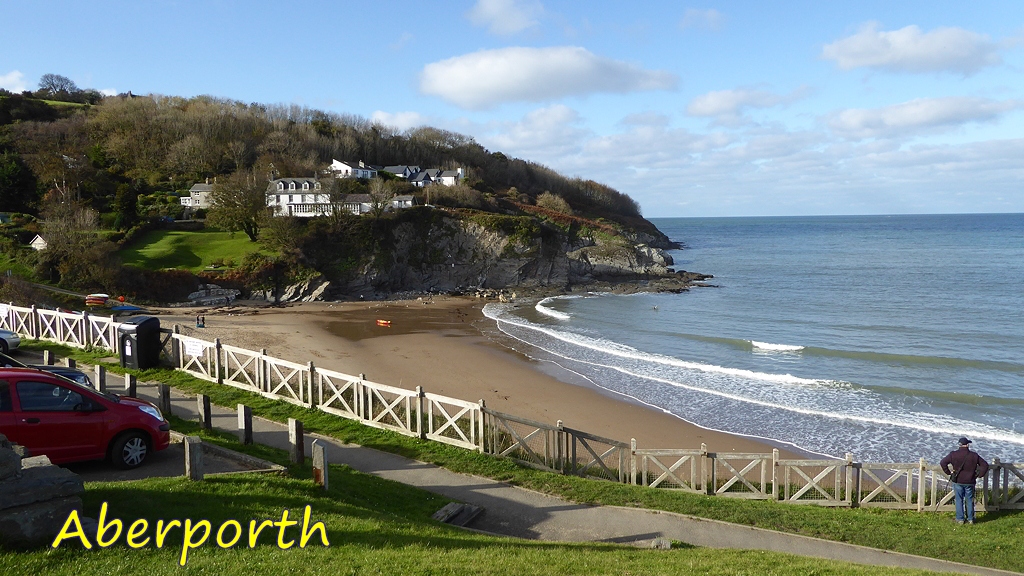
x: 471, y: 425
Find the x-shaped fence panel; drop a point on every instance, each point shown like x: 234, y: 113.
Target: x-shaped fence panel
x: 684, y: 473
x: 392, y: 408
x: 818, y: 482
x: 241, y: 368
x: 288, y: 381
x: 530, y: 443
x: 339, y: 393
x: 884, y: 481
x: 599, y: 457
x: 195, y: 356
x: 452, y: 421
x: 736, y: 483
x: 99, y: 332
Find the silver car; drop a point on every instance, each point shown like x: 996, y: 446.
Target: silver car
x: 9, y: 341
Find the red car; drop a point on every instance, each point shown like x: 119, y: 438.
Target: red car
x: 69, y: 422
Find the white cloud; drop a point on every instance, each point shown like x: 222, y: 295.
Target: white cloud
x: 13, y: 81
x: 709, y: 19
x: 489, y: 77
x: 400, y: 120
x: 551, y: 132
x: 108, y: 92
x: 506, y: 17
x: 910, y: 50
x: 728, y: 106
x: 923, y: 115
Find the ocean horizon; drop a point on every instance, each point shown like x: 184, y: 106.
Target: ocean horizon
x: 887, y: 337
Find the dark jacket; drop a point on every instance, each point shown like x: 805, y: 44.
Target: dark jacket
x: 974, y: 466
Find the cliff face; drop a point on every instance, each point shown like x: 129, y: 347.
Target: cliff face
x: 456, y: 254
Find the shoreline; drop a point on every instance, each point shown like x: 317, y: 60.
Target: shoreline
x: 442, y: 344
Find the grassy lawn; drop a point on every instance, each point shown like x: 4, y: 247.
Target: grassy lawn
x: 159, y: 249
x: 994, y: 541
x: 373, y: 526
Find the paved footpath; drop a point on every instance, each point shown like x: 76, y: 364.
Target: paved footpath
x: 513, y: 511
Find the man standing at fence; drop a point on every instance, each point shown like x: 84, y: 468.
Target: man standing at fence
x: 964, y: 468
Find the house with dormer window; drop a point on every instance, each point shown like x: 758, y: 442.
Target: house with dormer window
x: 304, y: 197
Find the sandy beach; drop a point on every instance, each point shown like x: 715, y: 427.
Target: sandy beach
x: 443, y: 346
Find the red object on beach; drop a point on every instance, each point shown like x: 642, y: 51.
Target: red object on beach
x: 384, y: 323
x: 120, y: 298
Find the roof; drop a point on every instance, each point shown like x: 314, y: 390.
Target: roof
x: 200, y: 187
x: 361, y: 198
x: 450, y: 174
x: 272, y: 186
x: 404, y: 198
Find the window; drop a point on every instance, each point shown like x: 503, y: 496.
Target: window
x: 280, y: 185
x: 46, y: 397
x: 5, y: 397
x: 316, y: 186
x: 305, y: 185
x: 291, y: 185
x: 290, y: 198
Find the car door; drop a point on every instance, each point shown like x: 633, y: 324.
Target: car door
x: 8, y: 421
x: 49, y: 423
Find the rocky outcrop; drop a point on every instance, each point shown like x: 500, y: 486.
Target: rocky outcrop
x: 35, y: 497
x: 312, y: 290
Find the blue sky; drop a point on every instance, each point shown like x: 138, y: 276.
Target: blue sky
x: 708, y: 109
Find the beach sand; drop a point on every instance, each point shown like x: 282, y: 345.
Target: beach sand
x: 443, y: 346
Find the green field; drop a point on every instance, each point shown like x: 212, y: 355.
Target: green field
x: 195, y: 251
x: 373, y: 526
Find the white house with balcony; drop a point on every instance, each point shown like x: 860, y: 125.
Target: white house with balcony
x: 303, y: 197
x: 352, y: 170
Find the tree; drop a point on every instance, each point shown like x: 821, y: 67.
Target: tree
x: 55, y: 84
x: 18, y: 191
x: 240, y: 203
x: 381, y: 193
x: 126, y: 207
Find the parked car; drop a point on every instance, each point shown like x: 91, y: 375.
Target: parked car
x: 9, y: 341
x: 73, y: 374
x: 68, y: 422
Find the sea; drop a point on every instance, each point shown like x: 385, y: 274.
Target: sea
x: 887, y: 337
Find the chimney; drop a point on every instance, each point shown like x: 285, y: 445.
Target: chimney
x: 207, y: 179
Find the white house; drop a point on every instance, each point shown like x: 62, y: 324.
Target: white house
x: 404, y: 201
x: 38, y: 243
x: 357, y: 204
x: 402, y: 171
x: 298, y: 197
x: 199, y: 196
x: 436, y: 176
x: 352, y: 170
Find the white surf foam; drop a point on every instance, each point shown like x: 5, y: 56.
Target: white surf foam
x: 540, y: 307
x: 776, y: 347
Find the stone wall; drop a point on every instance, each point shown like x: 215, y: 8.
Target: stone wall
x: 35, y: 497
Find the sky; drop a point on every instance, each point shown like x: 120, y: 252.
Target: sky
x: 742, y: 108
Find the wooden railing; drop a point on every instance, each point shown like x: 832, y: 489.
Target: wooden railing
x: 914, y: 486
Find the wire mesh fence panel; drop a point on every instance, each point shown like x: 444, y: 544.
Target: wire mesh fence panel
x: 452, y: 421
x: 530, y: 443
x: 819, y: 482
x: 886, y: 485
x: 241, y: 368
x: 935, y: 491
x: 1007, y: 485
x: 391, y: 408
x: 592, y: 456
x: 339, y: 394
x: 670, y: 469
x: 741, y: 475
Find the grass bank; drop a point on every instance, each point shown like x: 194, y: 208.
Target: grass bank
x: 189, y: 250
x: 372, y: 526
x: 995, y: 541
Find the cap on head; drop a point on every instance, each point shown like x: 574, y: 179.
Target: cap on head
x: 964, y: 441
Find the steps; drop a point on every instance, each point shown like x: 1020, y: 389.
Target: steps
x: 457, y: 513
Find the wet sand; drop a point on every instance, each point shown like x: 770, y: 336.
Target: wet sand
x: 443, y: 346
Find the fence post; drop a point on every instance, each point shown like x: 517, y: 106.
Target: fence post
x: 261, y: 371
x: 297, y: 443
x: 560, y: 446
x: 131, y: 385
x: 480, y: 426
x: 920, y: 485
x: 47, y: 358
x: 203, y: 405
x: 245, y: 423
x: 319, y: 464
x: 70, y: 363
x: 309, y: 385
x: 83, y: 331
x: 33, y: 323
x: 849, y: 479
x: 420, y: 432
x: 101, y: 377
x: 176, y: 347
x: 632, y: 461
x: 216, y: 360
x: 193, y: 458
x: 707, y: 470
x: 165, y: 398
x: 996, y: 469
x: 361, y: 398
x: 775, y: 473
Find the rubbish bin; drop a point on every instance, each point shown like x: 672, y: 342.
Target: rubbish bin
x: 139, y: 342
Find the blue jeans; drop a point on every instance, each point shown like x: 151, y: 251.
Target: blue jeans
x: 964, y: 494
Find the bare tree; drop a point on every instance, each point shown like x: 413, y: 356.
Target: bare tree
x: 381, y: 193
x: 57, y: 84
x: 240, y: 203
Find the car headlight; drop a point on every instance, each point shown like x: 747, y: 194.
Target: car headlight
x: 152, y: 411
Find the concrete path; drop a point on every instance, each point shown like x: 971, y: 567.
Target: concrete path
x: 521, y: 513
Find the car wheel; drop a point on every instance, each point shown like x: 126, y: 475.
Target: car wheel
x: 129, y: 450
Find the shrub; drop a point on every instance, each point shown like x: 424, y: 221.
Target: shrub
x: 554, y: 202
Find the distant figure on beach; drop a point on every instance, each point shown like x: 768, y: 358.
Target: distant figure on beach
x: 200, y: 321
x: 964, y: 468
